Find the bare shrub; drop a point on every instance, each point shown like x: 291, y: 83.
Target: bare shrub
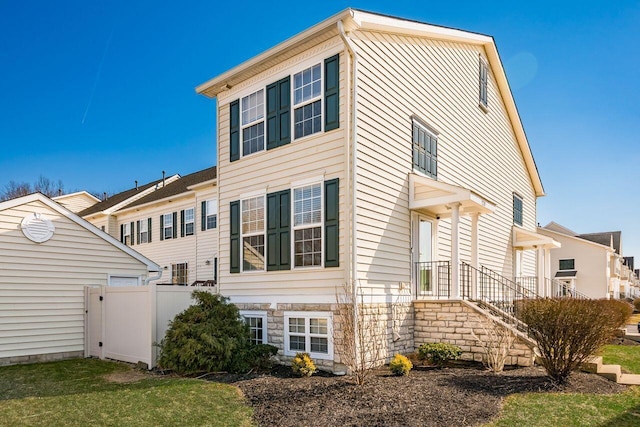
x: 569, y: 330
x: 636, y: 304
x: 362, y: 335
x: 497, y: 341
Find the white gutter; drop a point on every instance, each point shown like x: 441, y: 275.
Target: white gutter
x: 354, y: 160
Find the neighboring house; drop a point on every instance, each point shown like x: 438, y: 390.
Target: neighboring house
x: 77, y: 201
x: 172, y: 222
x: 589, y: 263
x: 383, y: 155
x: 49, y: 255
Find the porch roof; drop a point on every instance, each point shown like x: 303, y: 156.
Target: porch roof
x: 527, y: 239
x: 436, y: 197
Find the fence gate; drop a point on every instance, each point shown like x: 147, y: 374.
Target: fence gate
x: 93, y: 321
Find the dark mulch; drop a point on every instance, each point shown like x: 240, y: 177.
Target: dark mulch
x: 454, y: 396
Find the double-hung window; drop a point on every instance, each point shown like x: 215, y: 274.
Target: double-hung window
x: 167, y: 228
x: 517, y: 209
x: 189, y: 222
x: 252, y: 108
x: 308, y: 332
x: 253, y: 230
x: 425, y: 150
x: 126, y: 234
x: 307, y: 225
x: 211, y: 216
x: 307, y: 101
x: 143, y: 227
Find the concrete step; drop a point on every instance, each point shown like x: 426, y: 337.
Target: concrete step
x: 610, y: 372
x: 592, y: 365
x: 629, y: 379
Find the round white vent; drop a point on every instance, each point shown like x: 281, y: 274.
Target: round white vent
x: 37, y: 228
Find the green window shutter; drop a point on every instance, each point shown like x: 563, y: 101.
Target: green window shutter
x: 331, y: 223
x: 138, y: 232
x: 182, y: 223
x: 279, y: 231
x: 161, y: 227
x: 278, y: 113
x: 234, y: 127
x: 133, y: 232
x: 203, y: 216
x: 234, y: 208
x: 332, y: 93
x: 121, y: 233
x: 175, y: 225
x: 149, y: 231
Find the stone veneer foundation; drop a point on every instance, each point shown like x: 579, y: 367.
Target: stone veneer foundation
x: 453, y: 321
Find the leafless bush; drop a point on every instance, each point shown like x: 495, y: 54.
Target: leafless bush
x: 363, y: 335
x: 569, y: 330
x: 496, y: 341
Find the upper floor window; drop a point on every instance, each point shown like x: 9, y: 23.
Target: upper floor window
x: 168, y: 226
x: 567, y: 264
x: 517, y: 209
x: 211, y: 214
x: 483, y: 83
x: 307, y: 100
x: 425, y: 150
x: 143, y: 229
x: 307, y: 225
x: 189, y: 221
x: 126, y: 233
x: 252, y: 107
x: 253, y: 227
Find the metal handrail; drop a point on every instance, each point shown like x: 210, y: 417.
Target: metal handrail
x: 433, y: 279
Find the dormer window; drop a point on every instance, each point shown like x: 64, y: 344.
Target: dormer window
x: 252, y: 107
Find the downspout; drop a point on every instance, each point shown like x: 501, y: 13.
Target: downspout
x: 151, y: 278
x: 354, y: 163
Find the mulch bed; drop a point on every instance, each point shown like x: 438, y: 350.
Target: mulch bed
x: 452, y: 396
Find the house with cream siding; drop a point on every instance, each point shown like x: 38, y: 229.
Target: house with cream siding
x: 48, y: 257
x: 174, y: 223
x: 77, y: 201
x: 383, y: 156
x: 590, y: 264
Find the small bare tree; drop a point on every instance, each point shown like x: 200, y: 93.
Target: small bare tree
x: 496, y: 341
x: 363, y: 335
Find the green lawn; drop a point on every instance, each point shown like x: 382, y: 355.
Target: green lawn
x: 571, y: 410
x: 76, y: 393
x: 627, y: 356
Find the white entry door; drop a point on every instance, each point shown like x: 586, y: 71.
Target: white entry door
x: 424, y: 256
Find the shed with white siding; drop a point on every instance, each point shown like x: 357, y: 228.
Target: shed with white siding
x: 48, y: 255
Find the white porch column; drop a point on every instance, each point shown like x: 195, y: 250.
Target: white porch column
x: 540, y: 270
x: 547, y: 269
x: 475, y: 261
x: 455, y: 250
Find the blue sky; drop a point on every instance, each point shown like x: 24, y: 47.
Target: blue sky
x: 98, y: 94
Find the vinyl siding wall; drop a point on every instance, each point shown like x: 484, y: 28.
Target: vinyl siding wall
x: 42, y: 284
x: 194, y: 250
x: 76, y: 202
x: 319, y: 155
x: 401, y: 77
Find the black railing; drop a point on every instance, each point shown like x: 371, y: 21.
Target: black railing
x: 530, y: 283
x: 433, y: 279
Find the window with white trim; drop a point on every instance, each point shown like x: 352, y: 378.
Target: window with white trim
x: 567, y: 264
x: 180, y: 274
x: 307, y: 100
x: 307, y: 225
x: 257, y: 322
x: 144, y: 231
x: 211, y: 216
x: 168, y: 226
x: 425, y: 150
x: 253, y: 231
x: 126, y: 234
x: 308, y: 332
x: 189, y: 222
x: 252, y: 122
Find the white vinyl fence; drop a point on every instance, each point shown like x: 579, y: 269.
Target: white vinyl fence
x: 126, y: 323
